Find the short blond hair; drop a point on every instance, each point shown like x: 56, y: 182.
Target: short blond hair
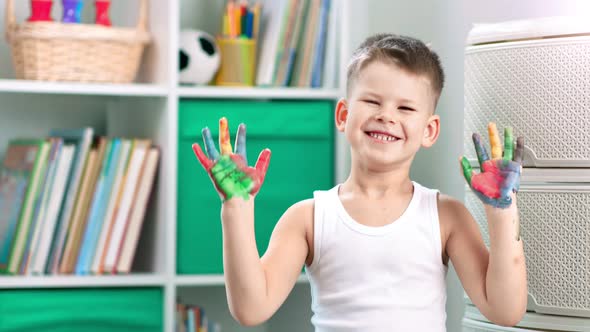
x: 406, y: 52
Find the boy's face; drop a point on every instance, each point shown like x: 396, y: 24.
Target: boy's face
x: 388, y: 115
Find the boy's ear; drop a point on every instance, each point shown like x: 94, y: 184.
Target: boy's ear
x: 341, y: 114
x: 431, y: 131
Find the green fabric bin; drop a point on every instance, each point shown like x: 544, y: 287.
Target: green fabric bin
x: 300, y: 135
x: 81, y: 309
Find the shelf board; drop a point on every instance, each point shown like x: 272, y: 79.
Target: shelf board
x: 256, y: 93
x: 67, y: 281
x: 72, y: 88
x: 213, y: 280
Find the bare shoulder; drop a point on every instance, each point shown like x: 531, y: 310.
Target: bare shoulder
x: 452, y: 213
x: 300, y: 213
x: 449, y: 207
x: 297, y: 218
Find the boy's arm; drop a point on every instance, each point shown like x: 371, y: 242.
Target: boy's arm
x: 495, y: 281
x: 506, y: 277
x: 257, y: 287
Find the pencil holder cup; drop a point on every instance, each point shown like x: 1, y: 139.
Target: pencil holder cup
x: 238, y: 62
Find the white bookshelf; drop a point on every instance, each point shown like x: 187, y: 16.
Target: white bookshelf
x: 62, y: 88
x: 148, y: 108
x: 258, y: 93
x: 66, y: 281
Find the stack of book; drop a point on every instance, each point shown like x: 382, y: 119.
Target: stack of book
x: 192, y: 318
x: 74, y: 203
x: 298, y: 44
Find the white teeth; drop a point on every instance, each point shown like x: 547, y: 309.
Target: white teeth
x: 382, y: 137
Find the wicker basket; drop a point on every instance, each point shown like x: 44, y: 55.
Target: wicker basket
x: 53, y: 51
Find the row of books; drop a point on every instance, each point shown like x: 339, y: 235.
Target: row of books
x: 299, y: 44
x: 192, y: 318
x: 74, y: 203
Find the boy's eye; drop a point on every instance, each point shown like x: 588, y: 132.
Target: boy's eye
x: 370, y: 101
x: 406, y: 108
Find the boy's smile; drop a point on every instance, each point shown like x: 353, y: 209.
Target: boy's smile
x: 382, y: 137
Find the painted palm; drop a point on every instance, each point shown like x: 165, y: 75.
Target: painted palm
x: 500, y: 175
x: 229, y: 170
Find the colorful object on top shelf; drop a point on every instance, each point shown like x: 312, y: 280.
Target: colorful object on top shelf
x: 41, y: 11
x: 239, y: 20
x: 500, y: 175
x: 102, y: 12
x: 199, y: 57
x: 238, y: 44
x: 72, y: 10
x: 229, y: 170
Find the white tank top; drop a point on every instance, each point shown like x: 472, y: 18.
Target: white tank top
x: 387, y: 278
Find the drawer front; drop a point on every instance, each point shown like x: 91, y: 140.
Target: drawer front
x: 539, y: 88
x: 90, y: 310
x: 555, y: 228
x: 300, y: 136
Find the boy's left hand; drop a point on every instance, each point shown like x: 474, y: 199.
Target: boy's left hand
x: 500, y: 175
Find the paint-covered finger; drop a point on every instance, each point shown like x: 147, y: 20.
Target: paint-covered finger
x: 467, y: 170
x: 495, y: 144
x: 240, y: 144
x: 209, y: 144
x: 508, y: 143
x: 518, y: 154
x: 205, y: 162
x: 480, y: 150
x: 262, y: 164
x: 224, y: 143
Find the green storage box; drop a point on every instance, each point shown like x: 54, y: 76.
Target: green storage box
x: 300, y: 135
x: 81, y: 309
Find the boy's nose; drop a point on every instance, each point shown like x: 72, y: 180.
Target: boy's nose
x: 386, y: 115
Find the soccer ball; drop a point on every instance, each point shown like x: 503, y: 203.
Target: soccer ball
x: 199, y: 57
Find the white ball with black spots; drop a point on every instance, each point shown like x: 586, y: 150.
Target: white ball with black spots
x: 199, y: 57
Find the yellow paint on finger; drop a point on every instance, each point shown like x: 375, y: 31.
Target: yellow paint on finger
x: 224, y: 143
x: 495, y: 142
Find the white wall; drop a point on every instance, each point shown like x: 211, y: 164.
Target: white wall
x: 445, y: 25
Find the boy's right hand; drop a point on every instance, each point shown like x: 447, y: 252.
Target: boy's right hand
x: 230, y: 173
